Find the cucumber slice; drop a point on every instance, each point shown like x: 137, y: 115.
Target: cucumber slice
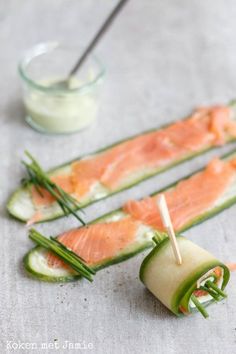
x: 173, y: 284
x: 35, y: 261
x: 142, y: 241
x: 20, y: 204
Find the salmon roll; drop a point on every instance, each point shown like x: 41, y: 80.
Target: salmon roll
x: 187, y: 288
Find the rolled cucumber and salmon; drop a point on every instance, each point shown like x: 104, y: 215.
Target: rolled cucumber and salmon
x: 192, y: 286
x: 115, y: 168
x: 123, y: 233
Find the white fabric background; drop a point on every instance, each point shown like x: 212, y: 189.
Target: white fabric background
x: 163, y: 58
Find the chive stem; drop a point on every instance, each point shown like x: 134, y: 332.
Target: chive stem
x: 73, y: 255
x: 210, y: 284
x: 199, y: 306
x: 159, y: 237
x: 66, y: 255
x: 39, y: 178
x: 210, y: 292
x: 155, y: 240
x: 62, y: 254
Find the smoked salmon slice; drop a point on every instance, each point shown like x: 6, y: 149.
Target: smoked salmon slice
x: 205, y: 128
x: 97, y: 242
x: 188, y: 199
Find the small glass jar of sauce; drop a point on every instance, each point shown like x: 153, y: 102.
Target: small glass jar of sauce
x: 54, y: 109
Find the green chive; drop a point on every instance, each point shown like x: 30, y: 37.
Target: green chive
x: 39, y: 178
x: 199, y: 306
x: 43, y: 241
x: 156, y: 240
x: 66, y: 255
x: 76, y: 265
x: 73, y: 254
x: 210, y: 284
x: 210, y: 292
x: 159, y: 237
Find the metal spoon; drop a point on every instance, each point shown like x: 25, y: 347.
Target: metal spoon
x: 64, y: 84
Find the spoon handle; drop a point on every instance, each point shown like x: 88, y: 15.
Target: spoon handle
x: 97, y: 37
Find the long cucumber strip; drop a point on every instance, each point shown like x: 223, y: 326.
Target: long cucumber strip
x: 21, y: 205
x: 175, y: 285
x: 36, y: 262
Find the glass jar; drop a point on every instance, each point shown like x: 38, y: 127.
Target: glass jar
x: 54, y: 109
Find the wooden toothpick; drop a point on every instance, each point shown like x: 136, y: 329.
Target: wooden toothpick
x: 165, y: 216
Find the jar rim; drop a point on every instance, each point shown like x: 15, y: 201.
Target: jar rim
x: 45, y: 47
